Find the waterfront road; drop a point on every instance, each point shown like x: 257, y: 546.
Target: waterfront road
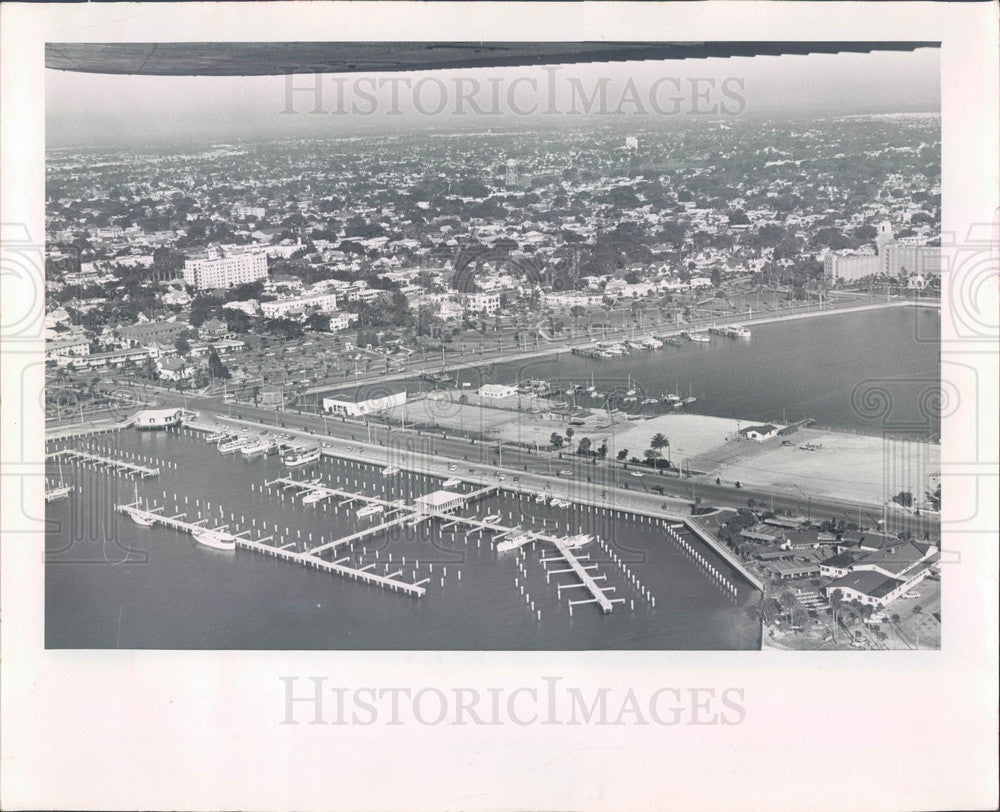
x: 608, y: 482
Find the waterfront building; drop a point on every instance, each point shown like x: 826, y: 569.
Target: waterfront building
x: 357, y: 408
x: 148, y: 419
x: 438, y: 502
x: 910, y: 256
x: 849, y: 266
x: 495, y: 391
x: 760, y: 433
x: 218, y: 270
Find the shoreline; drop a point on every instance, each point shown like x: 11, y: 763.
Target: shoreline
x: 567, y: 346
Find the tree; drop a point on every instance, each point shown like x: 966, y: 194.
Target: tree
x: 904, y: 498
x: 216, y: 368
x: 623, y: 454
x: 182, y: 346
x: 658, y: 443
x: 556, y: 440
x: 569, y: 435
x: 836, y: 598
x: 583, y: 447
x: 789, y: 602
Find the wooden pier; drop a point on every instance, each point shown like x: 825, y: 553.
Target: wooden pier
x: 308, y: 559
x: 116, y: 465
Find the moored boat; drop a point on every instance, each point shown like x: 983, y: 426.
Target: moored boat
x: 295, y: 457
x: 216, y: 538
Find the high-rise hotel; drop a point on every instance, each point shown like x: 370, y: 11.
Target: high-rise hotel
x: 217, y: 269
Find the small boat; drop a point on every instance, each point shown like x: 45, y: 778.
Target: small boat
x: 699, y: 338
x: 492, y: 517
x: 650, y: 400
x: 369, y: 510
x: 295, y: 457
x: 316, y: 495
x: 58, y: 492
x: 579, y: 540
x: 512, y: 543
x: 689, y: 399
x: 215, y: 538
x: 454, y: 482
x: 215, y: 436
x: 671, y: 398
x: 390, y: 470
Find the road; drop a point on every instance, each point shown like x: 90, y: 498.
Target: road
x: 603, y: 480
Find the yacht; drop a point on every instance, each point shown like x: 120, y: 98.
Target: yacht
x: 140, y: 517
x: 454, y: 482
x: 390, y: 470
x: 369, y: 510
x: 235, y: 444
x: 512, y: 543
x: 295, y: 457
x: 257, y: 448
x: 216, y: 538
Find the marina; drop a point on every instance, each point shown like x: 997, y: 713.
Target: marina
x: 467, y: 550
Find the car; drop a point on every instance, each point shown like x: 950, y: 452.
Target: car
x: 637, y: 474
x: 502, y: 477
x: 452, y: 467
x: 565, y: 472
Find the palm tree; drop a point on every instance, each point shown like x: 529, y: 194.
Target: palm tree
x: 836, y: 598
x: 658, y: 443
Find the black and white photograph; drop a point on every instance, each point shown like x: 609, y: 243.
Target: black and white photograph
x: 631, y: 346
x: 399, y: 392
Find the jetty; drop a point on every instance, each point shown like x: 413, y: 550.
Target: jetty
x: 108, y: 463
x: 149, y: 516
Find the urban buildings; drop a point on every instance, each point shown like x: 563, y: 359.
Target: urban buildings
x: 216, y: 269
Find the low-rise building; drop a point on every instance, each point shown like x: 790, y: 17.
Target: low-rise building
x: 363, y: 406
x: 760, y: 433
x: 495, y: 391
x: 322, y: 302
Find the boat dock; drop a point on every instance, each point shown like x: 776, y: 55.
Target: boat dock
x: 116, y: 465
x: 152, y: 516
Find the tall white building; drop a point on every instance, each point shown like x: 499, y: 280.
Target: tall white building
x: 909, y: 256
x: 217, y: 270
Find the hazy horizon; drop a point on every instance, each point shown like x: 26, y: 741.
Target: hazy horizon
x: 99, y: 110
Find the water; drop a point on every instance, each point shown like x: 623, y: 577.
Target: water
x: 111, y: 583
x: 826, y: 368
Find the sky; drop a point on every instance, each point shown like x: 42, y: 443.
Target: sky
x: 94, y: 110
